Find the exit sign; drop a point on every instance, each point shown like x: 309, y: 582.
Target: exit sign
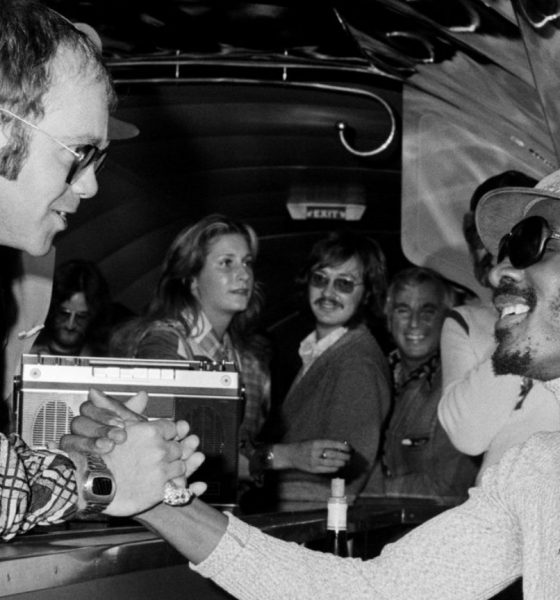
x: 322, y: 210
x: 326, y: 212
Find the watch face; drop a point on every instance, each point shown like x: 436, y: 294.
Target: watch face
x: 102, y: 486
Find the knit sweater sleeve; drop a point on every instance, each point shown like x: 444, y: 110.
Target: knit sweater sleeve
x: 470, y: 552
x: 461, y: 554
x: 360, y: 397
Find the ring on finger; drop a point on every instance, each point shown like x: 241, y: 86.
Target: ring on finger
x: 177, y: 496
x: 324, y: 454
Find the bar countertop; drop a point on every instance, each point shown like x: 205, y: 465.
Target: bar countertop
x: 59, y: 558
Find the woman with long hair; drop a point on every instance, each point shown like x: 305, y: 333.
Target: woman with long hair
x: 206, y: 305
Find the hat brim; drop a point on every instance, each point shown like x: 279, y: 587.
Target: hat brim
x: 121, y: 130
x: 499, y: 210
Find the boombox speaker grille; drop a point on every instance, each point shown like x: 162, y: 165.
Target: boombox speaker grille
x: 51, y: 423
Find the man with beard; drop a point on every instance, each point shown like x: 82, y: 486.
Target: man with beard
x: 510, y: 525
x: 484, y: 412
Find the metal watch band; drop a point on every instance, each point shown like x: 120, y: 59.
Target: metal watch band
x: 96, y: 467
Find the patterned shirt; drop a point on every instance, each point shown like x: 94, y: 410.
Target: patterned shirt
x: 401, y: 378
x: 37, y: 487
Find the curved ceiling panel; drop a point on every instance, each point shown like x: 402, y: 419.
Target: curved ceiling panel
x: 243, y: 148
x: 239, y: 106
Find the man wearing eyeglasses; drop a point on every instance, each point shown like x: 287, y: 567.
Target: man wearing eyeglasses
x: 510, y: 525
x: 332, y: 416
x: 484, y: 412
x: 55, y: 95
x: 79, y: 307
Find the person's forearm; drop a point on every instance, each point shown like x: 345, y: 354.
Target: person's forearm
x: 194, y: 530
x: 37, y: 487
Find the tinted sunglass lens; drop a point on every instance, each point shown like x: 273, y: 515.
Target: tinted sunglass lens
x: 100, y: 160
x: 317, y: 280
x: 88, y: 154
x: 344, y: 286
x: 527, y: 242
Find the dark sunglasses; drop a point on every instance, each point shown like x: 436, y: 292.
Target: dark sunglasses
x: 340, y: 284
x: 524, y: 245
x: 84, y: 156
x: 62, y: 314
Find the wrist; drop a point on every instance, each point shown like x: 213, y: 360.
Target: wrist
x: 282, y: 456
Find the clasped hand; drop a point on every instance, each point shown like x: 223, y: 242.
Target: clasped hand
x: 142, y: 455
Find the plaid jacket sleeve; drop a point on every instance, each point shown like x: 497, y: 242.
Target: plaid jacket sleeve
x: 37, y: 487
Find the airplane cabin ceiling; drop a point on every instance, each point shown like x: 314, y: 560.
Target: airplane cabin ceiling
x: 239, y: 108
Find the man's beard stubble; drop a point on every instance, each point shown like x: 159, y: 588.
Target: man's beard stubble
x: 516, y: 362
x: 512, y: 363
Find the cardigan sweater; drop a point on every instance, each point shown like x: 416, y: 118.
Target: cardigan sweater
x: 344, y: 395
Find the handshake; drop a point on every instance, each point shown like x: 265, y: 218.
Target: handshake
x: 148, y: 461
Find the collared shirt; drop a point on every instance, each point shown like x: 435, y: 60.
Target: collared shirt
x: 401, y: 378
x: 203, y: 341
x: 37, y: 487
x: 311, y: 348
x: 418, y: 458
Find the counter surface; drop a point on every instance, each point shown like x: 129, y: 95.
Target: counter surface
x: 49, y: 559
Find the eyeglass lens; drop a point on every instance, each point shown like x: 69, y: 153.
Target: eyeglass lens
x: 525, y: 244
x: 340, y: 284
x: 88, y: 154
x: 62, y: 314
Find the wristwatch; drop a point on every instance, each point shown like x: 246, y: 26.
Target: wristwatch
x: 99, y: 487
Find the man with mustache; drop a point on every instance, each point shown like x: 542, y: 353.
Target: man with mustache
x: 331, y: 418
x: 510, y: 525
x: 484, y: 412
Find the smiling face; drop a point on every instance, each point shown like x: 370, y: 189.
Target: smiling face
x: 415, y: 321
x: 225, y: 284
x: 528, y: 327
x: 34, y: 207
x: 332, y: 308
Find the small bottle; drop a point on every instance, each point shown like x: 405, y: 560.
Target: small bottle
x: 337, y: 540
